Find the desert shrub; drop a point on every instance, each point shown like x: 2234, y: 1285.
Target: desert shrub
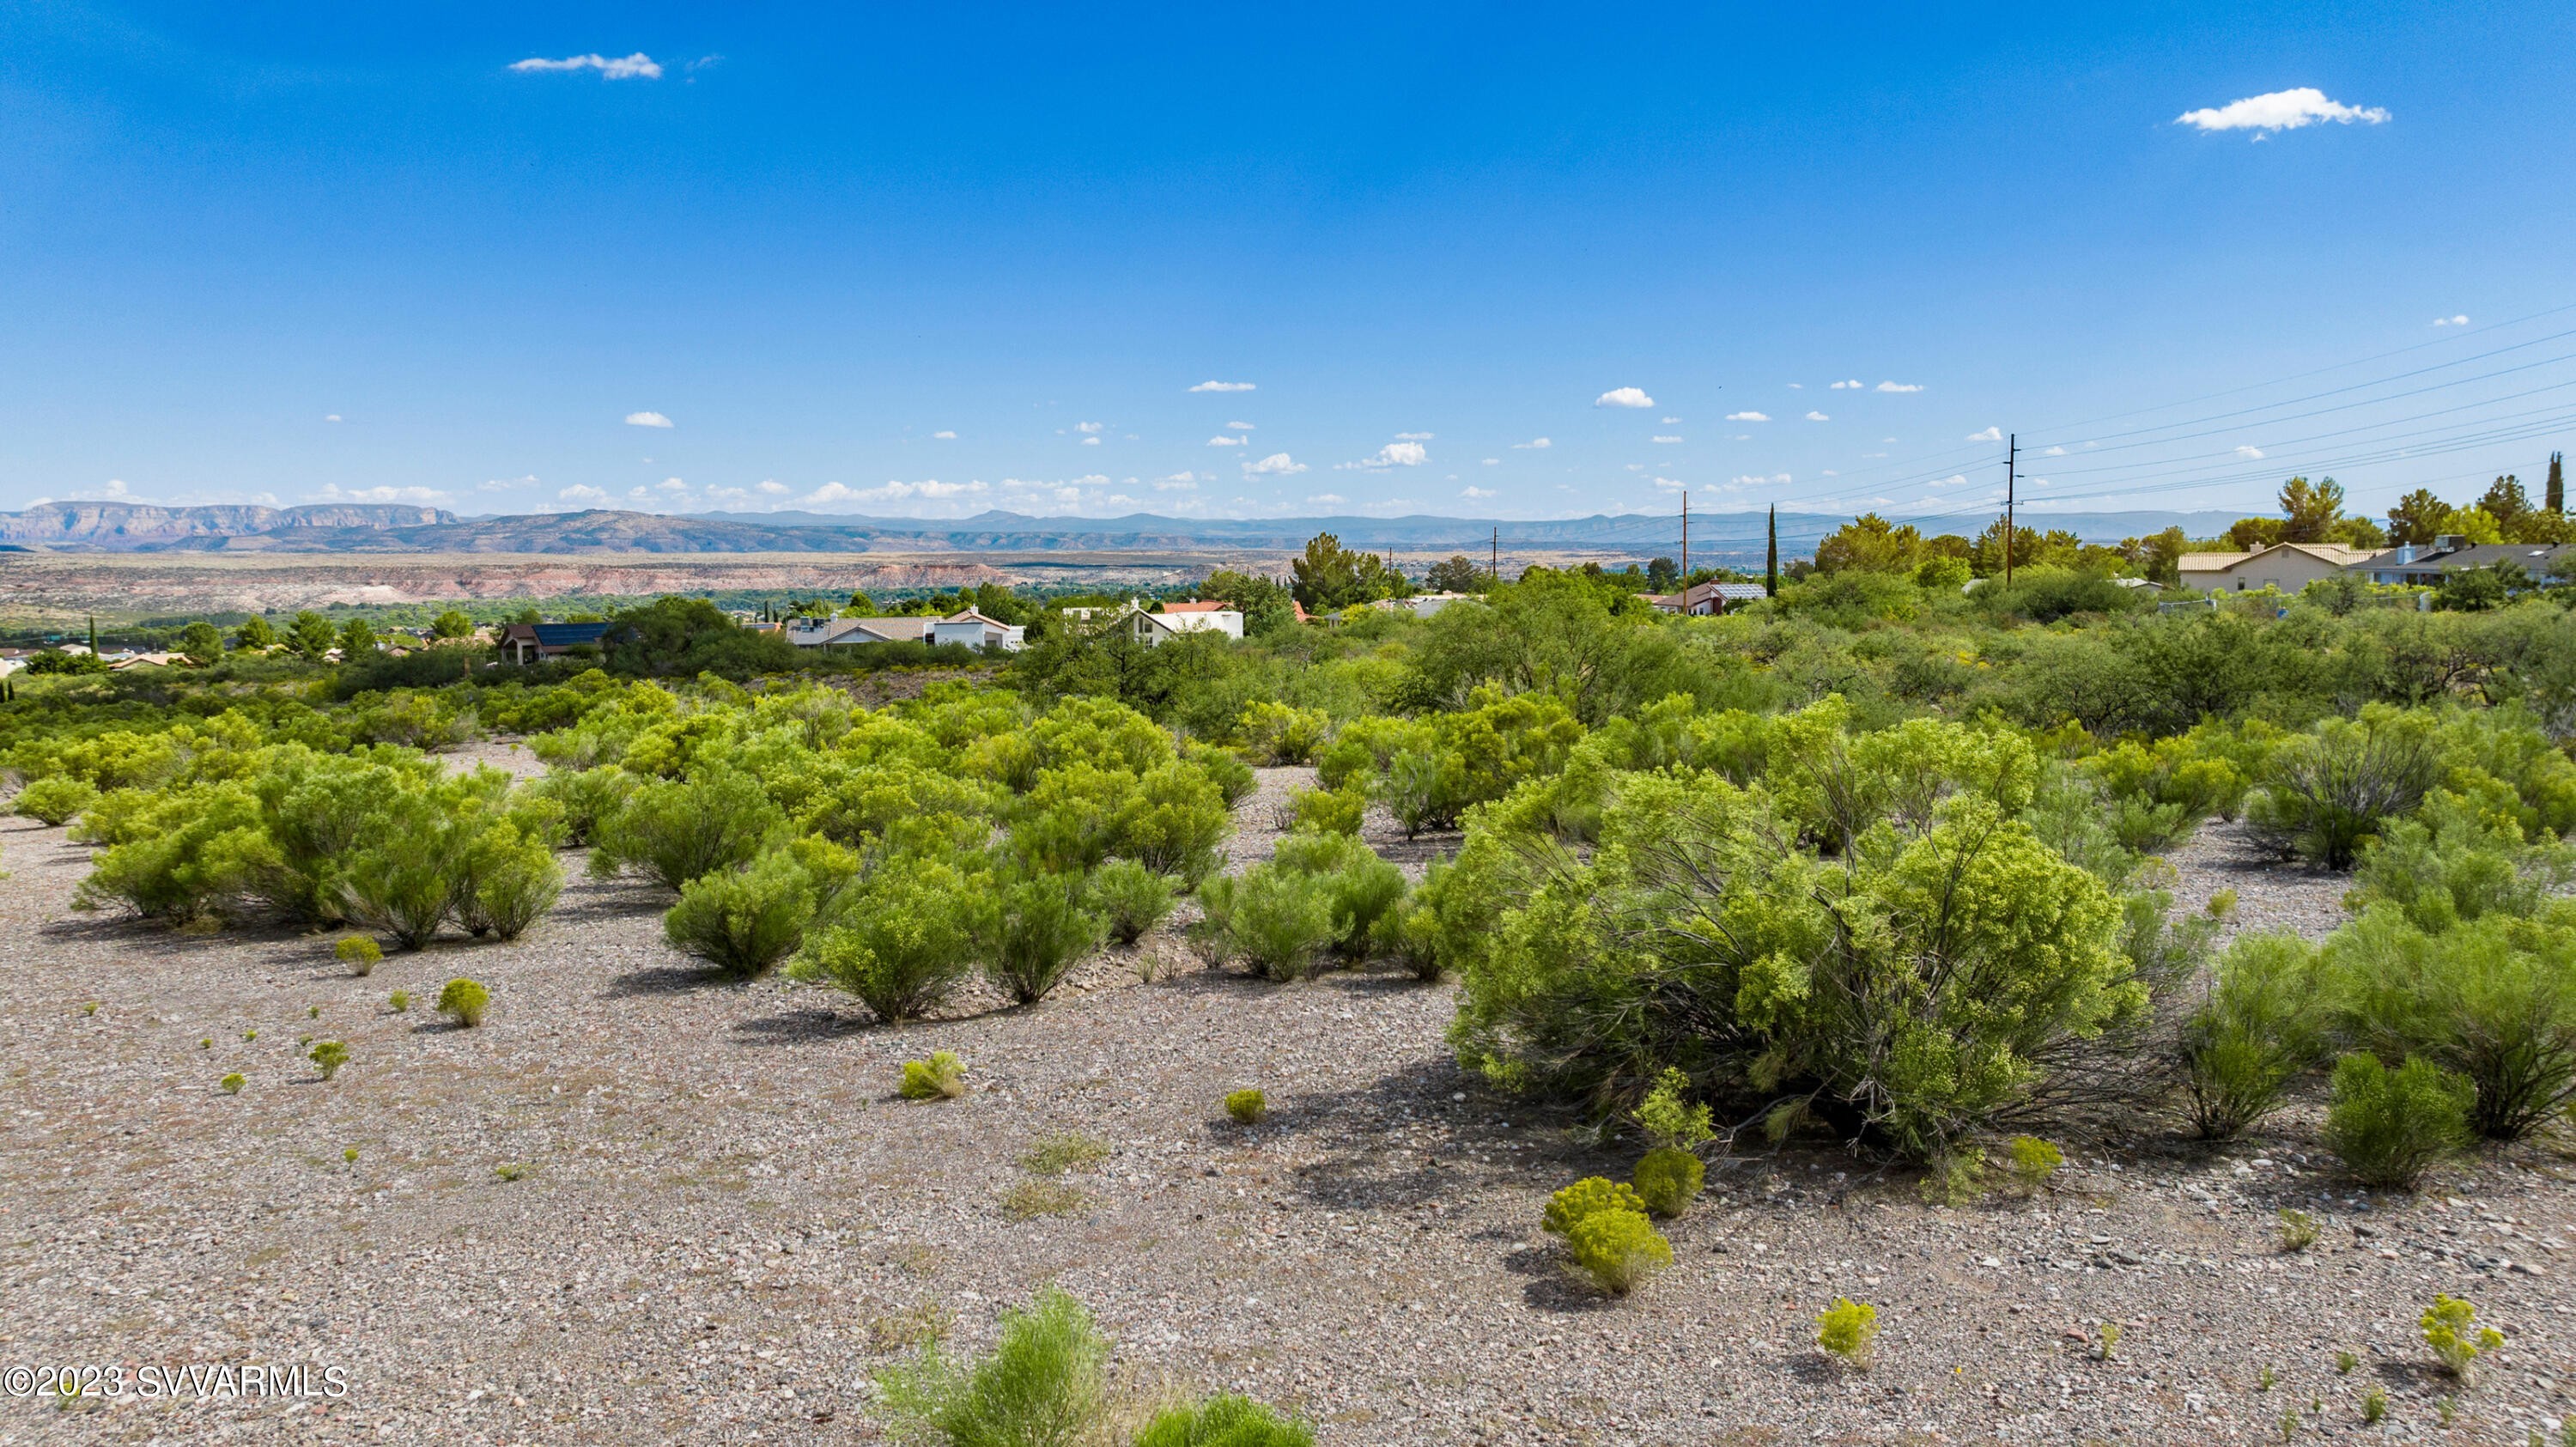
x: 1668, y: 1180
x: 743, y: 921
x: 941, y: 1077
x: 406, y: 882
x: 1247, y: 1107
x: 2298, y: 1231
x: 1045, y: 1384
x: 1172, y: 822
x: 1281, y: 734
x: 328, y: 1056
x: 1360, y: 887
x: 1031, y: 1199
x: 1327, y: 811
x: 1040, y: 928
x: 2492, y: 1000
x: 1619, y: 1249
x: 1056, y: 1154
x: 1211, y: 935
x: 193, y: 854
x: 906, y: 938
x: 1279, y: 920
x: 55, y: 798
x: 2323, y: 794
x: 673, y: 832
x: 1668, y: 1118
x: 232, y: 1084
x: 1592, y: 1193
x: 464, y: 1001
x: 2451, y: 1330
x: 586, y: 796
x: 2262, y: 1024
x: 360, y: 954
x: 508, y: 882
x: 2389, y: 1126
x: 1132, y: 898
x: 1422, y: 789
x: 2032, y: 1161
x: 1233, y: 778
x: 1223, y: 1422
x: 2458, y: 861
x: 399, y: 1001
x: 1847, y: 1329
x: 1410, y: 932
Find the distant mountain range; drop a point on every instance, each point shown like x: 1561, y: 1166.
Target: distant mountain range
x: 371, y: 528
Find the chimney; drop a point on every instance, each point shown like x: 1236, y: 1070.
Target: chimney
x: 2405, y: 553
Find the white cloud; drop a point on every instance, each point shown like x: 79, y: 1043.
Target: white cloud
x: 1850, y: 386
x: 630, y: 67
x: 508, y: 484
x: 1953, y: 480
x: 1668, y: 485
x: 1818, y: 417
x: 1829, y: 472
x: 1991, y: 434
x: 579, y: 493
x: 333, y: 492
x: 2054, y: 452
x: 2282, y: 110
x: 1475, y: 492
x: 1624, y: 397
x: 2459, y: 321
x: 1327, y: 497
x: 1672, y: 421
x: 1221, y: 440
x: 1535, y: 444
x: 1489, y: 462
x: 1413, y: 437
x: 1748, y: 416
x: 647, y: 419
x: 1087, y: 427
x: 1241, y: 427
x: 1091, y: 442
x: 1119, y: 499
x: 1797, y: 386
x: 773, y: 488
x: 2248, y: 453
x: 1743, y: 436
x: 334, y: 416
x: 1277, y: 464
x: 673, y: 484
x: 1750, y: 480
x: 1178, y: 482
x: 944, y: 436
x: 1222, y: 387
x: 1394, y: 454
x: 1668, y: 439
x: 1897, y: 386
x: 894, y: 491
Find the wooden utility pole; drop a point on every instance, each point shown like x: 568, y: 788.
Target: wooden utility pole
x: 1494, y: 559
x: 1685, y: 550
x: 2012, y: 455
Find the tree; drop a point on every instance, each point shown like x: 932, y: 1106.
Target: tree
x: 1264, y: 604
x: 859, y: 606
x: 1771, y: 555
x: 2247, y: 535
x: 2554, y: 494
x: 2474, y: 525
x: 1661, y: 575
x: 451, y: 624
x: 1869, y: 544
x: 202, y: 642
x: 357, y: 641
x: 2506, y: 502
x: 2157, y: 556
x: 311, y: 635
x: 1331, y: 577
x: 2418, y: 518
x: 254, y: 634
x: 1459, y: 574
x: 2310, y: 509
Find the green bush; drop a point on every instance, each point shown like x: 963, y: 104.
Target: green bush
x: 1279, y: 920
x: 1045, y: 1384
x: 673, y: 832
x: 908, y: 936
x: 1847, y: 1329
x: 1131, y: 897
x: 2492, y: 1000
x: 55, y: 798
x: 743, y: 921
x: 360, y: 954
x: 2389, y: 1126
x: 464, y: 1001
x: 1223, y: 1422
x: 1282, y: 734
x: 586, y: 796
x: 2033, y: 1161
x: 400, y: 1001
x: 2262, y: 1024
x: 1620, y: 1250
x: 1410, y: 932
x: 509, y: 881
x: 232, y: 1084
x: 1668, y: 1180
x: 1592, y: 1193
x: 1233, y: 778
x: 1039, y: 930
x: 1360, y: 888
x: 2451, y: 1330
x: 1172, y: 822
x: 1667, y: 1117
x: 2326, y: 793
x: 328, y: 1056
x: 1247, y: 1107
x: 1327, y: 811
x: 941, y: 1077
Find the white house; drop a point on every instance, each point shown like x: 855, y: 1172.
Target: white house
x: 1176, y: 619
x: 1423, y: 605
x: 974, y: 630
x: 970, y: 628
x: 1701, y: 600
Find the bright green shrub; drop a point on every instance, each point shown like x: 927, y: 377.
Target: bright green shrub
x: 1668, y: 1180
x: 196, y: 853
x: 587, y: 797
x: 1410, y: 932
x: 508, y: 882
x: 232, y: 1084
x: 1045, y: 1385
x: 870, y: 801
x: 360, y: 954
x: 1246, y: 1107
x: 2388, y: 1126
x: 1278, y: 920
x: 1592, y: 1193
x: 55, y: 798
x: 2492, y: 1000
x: 2033, y: 1162
x: 1620, y: 1250
x: 1280, y: 734
x: 2451, y: 1330
x: 1232, y: 777
x: 906, y: 937
x: 1132, y: 898
x: 941, y: 1077
x: 464, y: 1001
x: 328, y: 1056
x: 1361, y: 887
x: 673, y: 832
x: 1327, y: 811
x: 1223, y: 1422
x: 743, y: 921
x: 1039, y: 928
x: 411, y: 874
x: 1847, y: 1329
x: 2325, y: 793
x: 2262, y: 1024
x: 1172, y: 822
x: 1667, y: 1117
x: 2455, y: 862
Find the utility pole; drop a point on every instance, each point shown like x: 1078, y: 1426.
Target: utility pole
x: 1771, y: 555
x: 2012, y: 455
x: 1686, y: 552
x: 1494, y: 560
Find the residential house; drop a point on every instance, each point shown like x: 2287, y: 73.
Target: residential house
x: 1423, y: 605
x: 1214, y: 616
x: 534, y: 642
x: 2450, y: 553
x: 1700, y: 600
x: 2288, y: 566
x: 974, y: 630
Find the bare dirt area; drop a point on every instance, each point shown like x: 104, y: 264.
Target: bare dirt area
x: 716, y: 1221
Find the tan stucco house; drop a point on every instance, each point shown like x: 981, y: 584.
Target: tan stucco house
x: 2288, y: 567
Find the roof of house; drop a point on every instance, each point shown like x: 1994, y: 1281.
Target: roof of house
x: 1214, y: 605
x: 2334, y: 555
x: 2533, y: 557
x: 969, y: 615
x: 1701, y: 592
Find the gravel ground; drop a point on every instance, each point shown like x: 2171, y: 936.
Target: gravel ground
x: 723, y: 1222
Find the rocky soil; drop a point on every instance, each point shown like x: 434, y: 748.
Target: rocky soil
x: 641, y: 1206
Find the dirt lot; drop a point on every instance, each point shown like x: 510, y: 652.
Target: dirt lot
x: 722, y: 1221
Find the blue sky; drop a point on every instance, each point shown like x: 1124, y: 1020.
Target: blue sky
x: 300, y: 253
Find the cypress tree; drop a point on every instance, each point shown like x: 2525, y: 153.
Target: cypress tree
x: 93, y: 635
x: 1771, y: 555
x: 2555, y: 498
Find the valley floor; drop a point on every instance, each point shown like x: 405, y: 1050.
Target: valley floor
x: 723, y: 1222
